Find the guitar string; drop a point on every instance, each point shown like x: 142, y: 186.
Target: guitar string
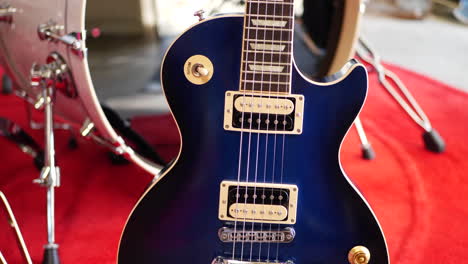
x: 265, y: 28
x: 245, y: 42
x: 250, y: 121
x: 290, y: 63
x: 259, y: 121
x: 289, y: 67
x: 267, y: 137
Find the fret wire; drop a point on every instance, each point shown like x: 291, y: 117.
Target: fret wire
x: 269, y: 52
x: 272, y: 29
x: 272, y: 73
x: 274, y: 78
x: 268, y: 63
x: 269, y: 34
x: 263, y: 82
x: 270, y: 16
x: 275, y: 86
x: 270, y: 93
x: 277, y: 41
x: 276, y: 14
x: 269, y: 3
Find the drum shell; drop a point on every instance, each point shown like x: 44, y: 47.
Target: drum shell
x: 21, y: 48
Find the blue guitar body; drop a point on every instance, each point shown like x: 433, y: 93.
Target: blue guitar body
x: 177, y: 220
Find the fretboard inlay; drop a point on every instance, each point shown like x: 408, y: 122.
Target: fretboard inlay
x: 267, y: 52
x: 269, y: 23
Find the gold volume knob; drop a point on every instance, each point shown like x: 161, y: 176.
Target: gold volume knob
x: 359, y: 255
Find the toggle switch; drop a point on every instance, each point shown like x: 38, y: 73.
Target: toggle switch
x: 198, y: 69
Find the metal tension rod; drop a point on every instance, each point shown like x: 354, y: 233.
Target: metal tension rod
x: 15, y: 226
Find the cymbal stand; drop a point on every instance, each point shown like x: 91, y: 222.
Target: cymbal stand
x: 398, y: 90
x: 43, y: 77
x: 15, y: 226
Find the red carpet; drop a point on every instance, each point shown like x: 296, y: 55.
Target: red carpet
x: 420, y: 197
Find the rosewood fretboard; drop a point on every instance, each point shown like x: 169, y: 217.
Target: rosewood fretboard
x: 268, y: 40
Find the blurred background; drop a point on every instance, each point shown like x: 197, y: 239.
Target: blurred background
x: 426, y: 36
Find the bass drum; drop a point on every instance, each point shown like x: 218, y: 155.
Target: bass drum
x: 326, y: 35
x: 24, y: 44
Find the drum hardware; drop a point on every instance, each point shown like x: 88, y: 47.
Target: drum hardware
x: 368, y: 152
x: 52, y: 31
x: 87, y: 128
x: 25, y: 142
x: 6, y: 13
x: 138, y: 143
x: 44, y: 77
x: 61, y: 29
x: 432, y: 139
x: 19, y: 236
x: 37, y: 125
x: 62, y: 83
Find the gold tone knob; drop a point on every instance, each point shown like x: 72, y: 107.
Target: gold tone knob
x: 359, y: 255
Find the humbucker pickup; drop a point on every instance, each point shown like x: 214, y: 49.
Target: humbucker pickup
x: 273, y: 114
x: 258, y: 202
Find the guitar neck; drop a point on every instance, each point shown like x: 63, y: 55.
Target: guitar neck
x: 268, y: 45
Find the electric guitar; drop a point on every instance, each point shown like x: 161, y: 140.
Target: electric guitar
x: 258, y: 178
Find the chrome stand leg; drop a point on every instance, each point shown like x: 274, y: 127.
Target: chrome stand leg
x: 50, y: 177
x: 368, y: 152
x: 398, y: 90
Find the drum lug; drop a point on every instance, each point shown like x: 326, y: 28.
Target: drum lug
x: 87, y: 128
x: 6, y: 13
x: 55, y: 70
x: 52, y: 31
